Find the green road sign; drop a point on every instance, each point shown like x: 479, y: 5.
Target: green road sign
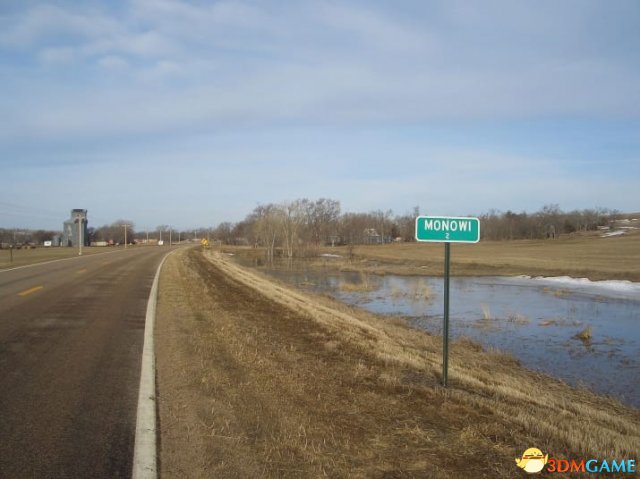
x: 447, y: 229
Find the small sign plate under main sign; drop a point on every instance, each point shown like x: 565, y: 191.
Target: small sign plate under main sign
x: 447, y: 229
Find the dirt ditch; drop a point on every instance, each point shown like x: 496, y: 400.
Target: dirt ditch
x: 258, y: 380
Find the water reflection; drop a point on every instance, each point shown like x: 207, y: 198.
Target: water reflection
x: 537, y: 322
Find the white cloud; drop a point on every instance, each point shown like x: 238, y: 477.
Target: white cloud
x: 374, y: 29
x: 145, y: 44
x: 43, y: 22
x: 113, y: 62
x: 185, y: 18
x: 57, y: 56
x: 326, y: 63
x: 160, y: 72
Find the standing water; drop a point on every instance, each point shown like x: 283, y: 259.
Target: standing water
x: 586, y: 333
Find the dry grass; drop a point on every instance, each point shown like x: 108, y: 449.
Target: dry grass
x: 421, y: 291
x: 585, y: 335
x: 558, y: 293
x: 548, y: 322
x: 518, y: 318
x: 588, y: 256
x: 362, y: 285
x: 259, y: 380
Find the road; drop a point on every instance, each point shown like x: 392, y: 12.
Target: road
x: 71, y: 337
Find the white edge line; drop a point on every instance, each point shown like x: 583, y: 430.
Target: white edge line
x: 144, y: 452
x: 57, y: 261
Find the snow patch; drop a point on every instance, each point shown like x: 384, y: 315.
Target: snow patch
x: 624, y: 287
x: 329, y: 255
x: 613, y: 233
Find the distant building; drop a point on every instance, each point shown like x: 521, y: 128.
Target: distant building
x: 371, y: 236
x: 75, y: 228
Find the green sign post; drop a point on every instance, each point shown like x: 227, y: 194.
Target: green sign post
x: 447, y: 230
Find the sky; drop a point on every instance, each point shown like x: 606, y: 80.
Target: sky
x: 190, y: 113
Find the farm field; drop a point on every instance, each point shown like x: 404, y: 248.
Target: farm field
x: 589, y: 256
x: 257, y: 379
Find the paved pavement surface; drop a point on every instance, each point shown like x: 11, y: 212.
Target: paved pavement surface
x: 71, y: 336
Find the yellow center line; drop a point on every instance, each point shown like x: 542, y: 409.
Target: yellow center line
x: 27, y: 292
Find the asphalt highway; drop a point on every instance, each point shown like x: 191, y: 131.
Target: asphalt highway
x: 71, y: 337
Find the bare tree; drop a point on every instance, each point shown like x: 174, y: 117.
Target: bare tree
x: 405, y: 225
x: 114, y: 232
x: 382, y: 222
x: 353, y: 226
x: 268, y: 225
x: 224, y: 232
x: 293, y: 218
x: 322, y: 219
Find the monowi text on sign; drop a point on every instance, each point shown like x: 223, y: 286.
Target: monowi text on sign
x: 447, y: 229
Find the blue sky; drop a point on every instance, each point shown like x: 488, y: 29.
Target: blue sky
x: 190, y: 113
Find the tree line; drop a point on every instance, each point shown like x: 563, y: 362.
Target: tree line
x: 295, y: 227
x: 549, y: 222
x: 22, y: 236
x: 114, y: 233
x: 300, y: 226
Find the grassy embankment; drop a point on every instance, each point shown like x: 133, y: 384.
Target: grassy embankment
x: 588, y: 256
x: 256, y: 379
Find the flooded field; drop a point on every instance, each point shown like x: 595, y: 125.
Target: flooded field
x: 584, y: 333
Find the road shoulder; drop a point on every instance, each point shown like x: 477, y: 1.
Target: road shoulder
x: 258, y: 380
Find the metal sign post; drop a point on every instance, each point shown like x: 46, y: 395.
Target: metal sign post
x: 447, y: 230
x: 445, y: 320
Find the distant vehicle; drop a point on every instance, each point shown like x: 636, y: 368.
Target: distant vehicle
x: 160, y: 242
x: 48, y: 243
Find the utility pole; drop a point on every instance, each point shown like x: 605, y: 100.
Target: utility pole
x: 147, y: 230
x: 170, y: 235
x: 179, y: 236
x: 125, y: 235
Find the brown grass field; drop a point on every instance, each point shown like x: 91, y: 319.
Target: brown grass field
x: 256, y: 379
x: 589, y: 256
